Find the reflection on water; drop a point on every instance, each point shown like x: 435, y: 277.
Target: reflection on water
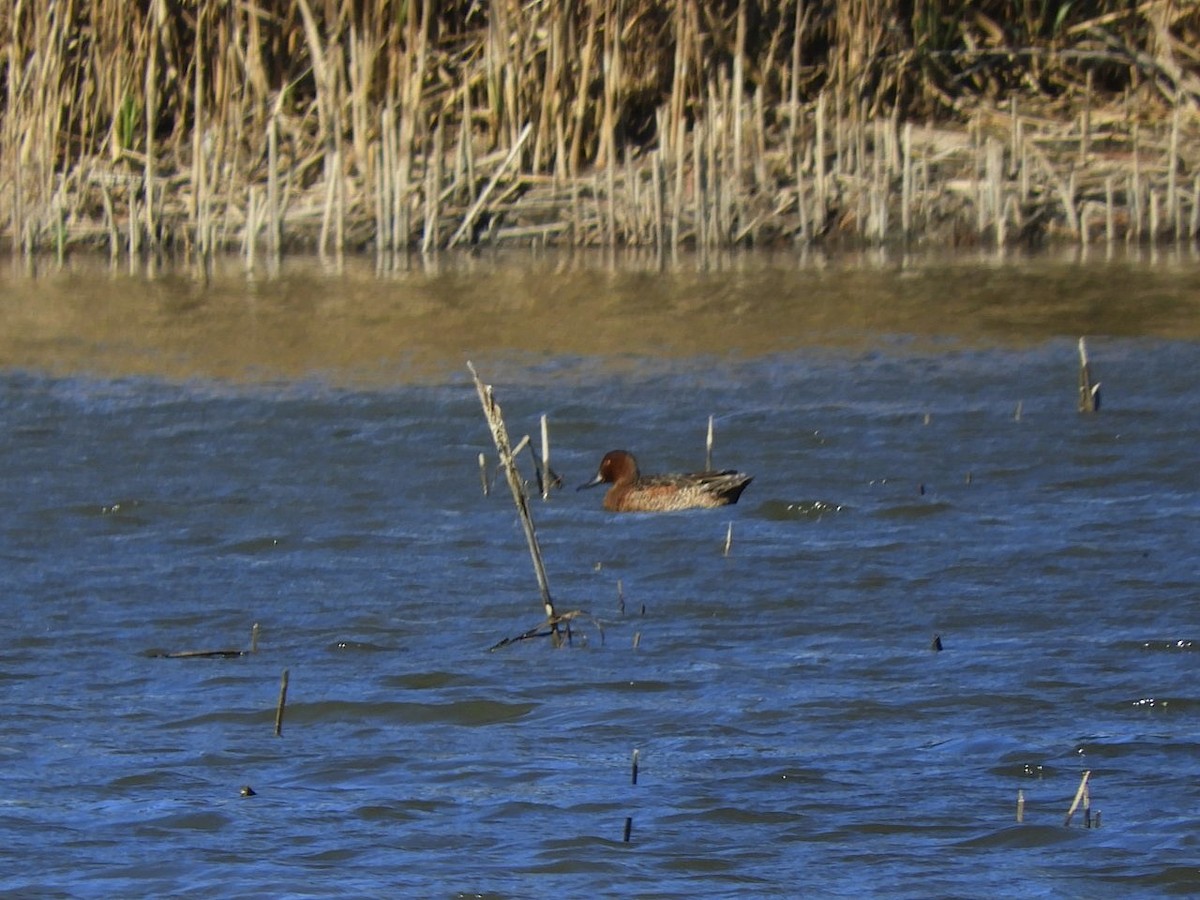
x: 355, y: 327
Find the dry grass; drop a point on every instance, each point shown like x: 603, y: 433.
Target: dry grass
x: 400, y: 125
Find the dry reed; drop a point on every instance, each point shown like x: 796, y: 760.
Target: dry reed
x: 279, y: 707
x: 1089, y: 390
x: 495, y: 420
x: 1082, y: 798
x: 557, y: 625
x: 356, y: 127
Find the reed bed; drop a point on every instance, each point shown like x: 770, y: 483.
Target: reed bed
x: 401, y: 126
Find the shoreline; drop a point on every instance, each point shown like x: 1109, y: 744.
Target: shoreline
x: 629, y: 126
x: 1005, y: 180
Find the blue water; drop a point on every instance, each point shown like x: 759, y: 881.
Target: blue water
x: 796, y: 733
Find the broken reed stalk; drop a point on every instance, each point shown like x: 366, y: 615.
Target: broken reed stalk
x: 283, y: 686
x: 275, y: 214
x: 1081, y: 796
x: 495, y: 420
x: 708, y: 445
x: 544, y: 479
x: 483, y: 475
x: 1089, y: 391
x: 473, y: 212
x: 633, y: 777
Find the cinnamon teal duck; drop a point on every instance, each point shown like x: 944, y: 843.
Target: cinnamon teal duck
x: 632, y: 491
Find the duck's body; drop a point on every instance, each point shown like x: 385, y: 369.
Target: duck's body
x: 631, y: 491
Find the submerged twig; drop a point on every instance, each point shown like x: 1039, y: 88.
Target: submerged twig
x: 213, y: 654
x: 548, y: 628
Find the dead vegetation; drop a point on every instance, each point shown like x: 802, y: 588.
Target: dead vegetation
x: 390, y: 126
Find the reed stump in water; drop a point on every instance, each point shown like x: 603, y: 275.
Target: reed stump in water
x: 1089, y: 391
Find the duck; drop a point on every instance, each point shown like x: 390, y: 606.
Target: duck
x: 631, y: 491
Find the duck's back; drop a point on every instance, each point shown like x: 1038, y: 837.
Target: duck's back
x: 667, y: 493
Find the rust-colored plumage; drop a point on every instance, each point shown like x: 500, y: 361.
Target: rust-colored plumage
x: 630, y: 491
